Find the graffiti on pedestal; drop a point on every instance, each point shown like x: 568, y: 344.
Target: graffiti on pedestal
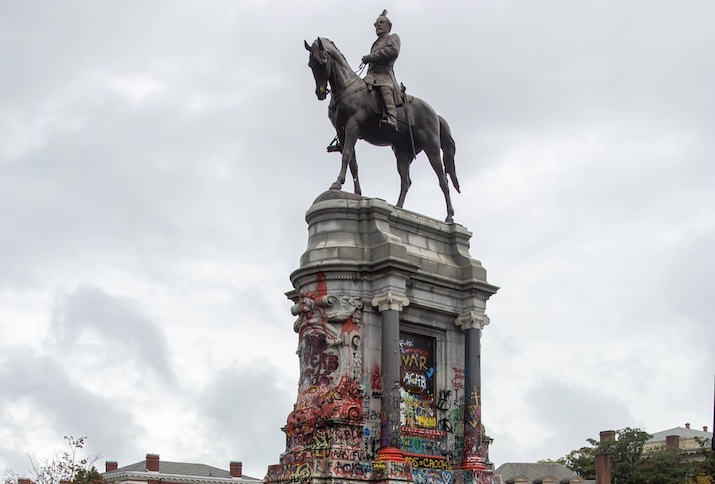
x: 424, y: 442
x: 317, y: 362
x: 433, y: 476
x: 458, y: 378
x: 329, y: 409
x: 417, y: 376
x: 472, y: 411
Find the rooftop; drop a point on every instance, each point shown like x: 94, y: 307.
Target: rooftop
x: 682, y: 432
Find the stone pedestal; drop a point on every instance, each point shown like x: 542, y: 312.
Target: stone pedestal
x: 388, y: 391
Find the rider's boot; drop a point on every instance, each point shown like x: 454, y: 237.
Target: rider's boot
x: 390, y: 118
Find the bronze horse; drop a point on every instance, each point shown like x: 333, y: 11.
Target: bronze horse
x: 353, y: 117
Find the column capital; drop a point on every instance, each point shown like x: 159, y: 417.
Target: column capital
x: 390, y: 301
x: 472, y: 320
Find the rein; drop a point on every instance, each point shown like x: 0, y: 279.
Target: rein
x: 341, y: 94
x: 338, y: 96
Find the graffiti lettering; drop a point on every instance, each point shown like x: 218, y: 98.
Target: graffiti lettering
x: 428, y: 462
x: 426, y: 421
x: 445, y: 425
x: 458, y: 378
x: 417, y: 410
x: 414, y: 361
x: 318, y: 364
x: 431, y: 476
x: 376, y: 380
x: 414, y: 380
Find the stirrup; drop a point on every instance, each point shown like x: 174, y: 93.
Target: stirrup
x: 335, y: 146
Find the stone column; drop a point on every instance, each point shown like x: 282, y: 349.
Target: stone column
x: 390, y: 304
x: 472, y: 323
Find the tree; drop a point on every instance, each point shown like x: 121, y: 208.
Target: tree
x: 62, y: 466
x: 582, y: 461
x: 629, y: 465
x: 91, y: 476
x: 626, y: 452
x: 661, y: 466
x: 704, y: 468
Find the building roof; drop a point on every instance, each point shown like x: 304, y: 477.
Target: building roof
x: 534, y: 471
x: 681, y: 432
x: 178, y: 469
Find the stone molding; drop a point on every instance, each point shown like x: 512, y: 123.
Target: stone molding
x: 335, y: 309
x: 390, y: 301
x: 472, y: 320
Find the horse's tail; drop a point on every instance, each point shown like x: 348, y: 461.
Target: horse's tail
x: 449, y: 148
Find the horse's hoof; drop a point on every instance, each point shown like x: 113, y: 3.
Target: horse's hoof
x: 336, y: 186
x: 449, y: 219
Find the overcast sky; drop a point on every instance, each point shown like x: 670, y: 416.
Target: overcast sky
x: 157, y: 159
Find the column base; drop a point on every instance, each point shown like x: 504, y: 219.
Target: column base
x: 391, y: 454
x: 473, y: 463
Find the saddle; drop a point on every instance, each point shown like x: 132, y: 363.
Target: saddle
x: 402, y: 103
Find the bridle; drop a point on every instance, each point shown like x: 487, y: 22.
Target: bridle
x: 328, y: 62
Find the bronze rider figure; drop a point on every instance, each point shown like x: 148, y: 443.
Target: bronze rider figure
x: 380, y: 73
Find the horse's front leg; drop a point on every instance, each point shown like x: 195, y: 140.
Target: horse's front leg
x: 350, y: 138
x: 338, y: 184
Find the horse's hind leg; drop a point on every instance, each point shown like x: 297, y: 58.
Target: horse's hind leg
x: 354, y: 172
x: 436, y: 161
x: 404, y: 159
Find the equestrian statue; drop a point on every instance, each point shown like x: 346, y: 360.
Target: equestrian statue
x: 378, y: 111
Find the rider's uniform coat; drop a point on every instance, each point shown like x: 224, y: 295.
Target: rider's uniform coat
x: 382, y: 57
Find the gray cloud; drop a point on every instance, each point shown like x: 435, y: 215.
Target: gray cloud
x: 570, y: 413
x: 156, y: 161
x: 246, y: 401
x: 54, y: 401
x: 113, y: 322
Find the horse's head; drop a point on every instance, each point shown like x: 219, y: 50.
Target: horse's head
x: 319, y: 63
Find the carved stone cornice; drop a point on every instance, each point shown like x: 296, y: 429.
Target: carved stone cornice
x: 390, y: 301
x: 334, y: 309
x: 339, y: 308
x: 472, y: 320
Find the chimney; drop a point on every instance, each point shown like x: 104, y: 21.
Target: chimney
x: 236, y: 468
x: 152, y: 462
x: 687, y: 425
x: 65, y: 481
x: 24, y: 480
x: 603, y: 469
x: 672, y: 442
x: 608, y: 435
x: 705, y: 428
x: 110, y: 465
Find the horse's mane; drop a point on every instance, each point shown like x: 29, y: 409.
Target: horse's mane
x: 333, y: 50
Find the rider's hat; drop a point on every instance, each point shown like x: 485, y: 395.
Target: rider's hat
x: 383, y: 16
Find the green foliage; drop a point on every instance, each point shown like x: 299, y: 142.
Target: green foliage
x: 661, y: 466
x: 626, y: 452
x: 706, y: 466
x: 582, y: 461
x: 630, y: 465
x: 91, y: 476
x: 560, y: 460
